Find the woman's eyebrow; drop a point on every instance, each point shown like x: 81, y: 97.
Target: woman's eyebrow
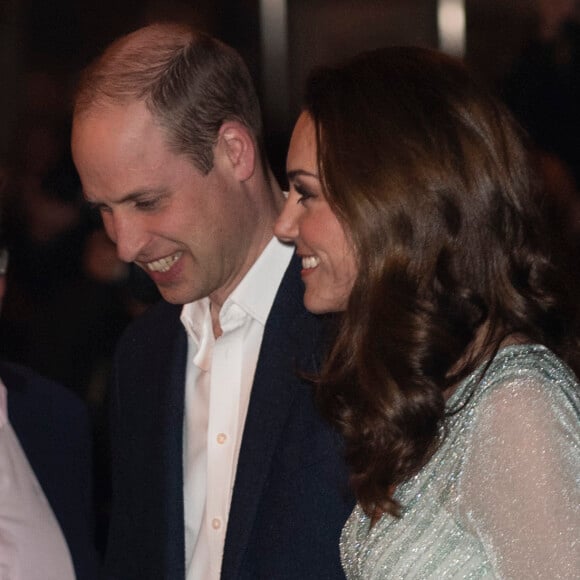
x: 300, y: 172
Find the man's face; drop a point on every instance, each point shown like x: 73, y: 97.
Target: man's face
x: 190, y: 232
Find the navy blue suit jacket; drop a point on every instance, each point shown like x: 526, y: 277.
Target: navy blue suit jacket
x: 53, y: 428
x: 290, y: 497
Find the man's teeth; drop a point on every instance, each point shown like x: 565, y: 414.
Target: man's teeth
x: 163, y: 264
x: 309, y: 262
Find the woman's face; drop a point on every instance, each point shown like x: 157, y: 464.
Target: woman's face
x: 328, y: 263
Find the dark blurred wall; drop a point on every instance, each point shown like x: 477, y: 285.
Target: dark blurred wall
x: 496, y: 33
x: 327, y: 31
x: 10, y: 65
x: 60, y: 36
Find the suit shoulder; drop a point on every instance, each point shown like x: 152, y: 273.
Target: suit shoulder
x: 37, y: 404
x: 29, y: 384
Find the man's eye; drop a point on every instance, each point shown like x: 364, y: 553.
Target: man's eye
x: 146, y: 204
x: 99, y: 208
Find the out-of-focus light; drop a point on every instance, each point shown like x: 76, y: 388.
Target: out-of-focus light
x: 274, y: 26
x: 451, y: 26
x: 274, y: 36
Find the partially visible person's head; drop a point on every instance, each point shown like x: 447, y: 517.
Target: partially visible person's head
x: 419, y: 192
x: 553, y: 15
x: 167, y: 141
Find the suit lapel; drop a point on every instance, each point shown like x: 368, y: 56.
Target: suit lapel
x: 290, y: 334
x: 173, y: 459
x: 162, y: 373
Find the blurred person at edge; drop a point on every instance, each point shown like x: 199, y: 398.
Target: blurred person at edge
x: 221, y: 465
x: 542, y: 87
x: 452, y: 376
x: 46, y: 517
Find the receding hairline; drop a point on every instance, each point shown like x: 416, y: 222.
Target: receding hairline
x: 145, y: 52
x: 156, y: 34
x: 190, y: 82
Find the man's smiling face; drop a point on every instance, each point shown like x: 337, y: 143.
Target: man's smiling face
x: 189, y: 231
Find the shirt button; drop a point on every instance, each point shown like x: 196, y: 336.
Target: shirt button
x: 216, y: 523
x: 221, y: 438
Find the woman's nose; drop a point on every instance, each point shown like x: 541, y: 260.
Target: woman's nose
x: 286, y: 226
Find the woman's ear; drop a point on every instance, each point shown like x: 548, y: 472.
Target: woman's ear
x: 239, y: 149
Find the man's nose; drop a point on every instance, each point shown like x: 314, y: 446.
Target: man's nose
x: 128, y: 234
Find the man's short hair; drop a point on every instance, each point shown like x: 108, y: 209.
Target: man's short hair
x: 191, y: 83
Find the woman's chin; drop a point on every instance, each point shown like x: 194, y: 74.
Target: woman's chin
x: 318, y: 305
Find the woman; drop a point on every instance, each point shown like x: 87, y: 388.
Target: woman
x: 414, y: 209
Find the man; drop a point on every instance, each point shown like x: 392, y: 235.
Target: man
x: 221, y: 465
x: 45, y: 476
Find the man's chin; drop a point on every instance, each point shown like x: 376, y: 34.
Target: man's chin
x: 177, y: 296
x: 172, y: 297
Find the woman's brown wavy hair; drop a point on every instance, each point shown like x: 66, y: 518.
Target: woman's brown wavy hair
x: 430, y: 177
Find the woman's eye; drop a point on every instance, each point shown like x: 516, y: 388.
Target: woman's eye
x: 303, y: 193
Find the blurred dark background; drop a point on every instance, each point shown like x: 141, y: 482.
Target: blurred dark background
x: 68, y: 297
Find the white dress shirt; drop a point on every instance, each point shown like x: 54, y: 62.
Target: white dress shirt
x: 32, y: 546
x: 219, y: 377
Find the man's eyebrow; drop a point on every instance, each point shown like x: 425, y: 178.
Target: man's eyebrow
x: 90, y: 202
x: 300, y: 172
x: 130, y: 197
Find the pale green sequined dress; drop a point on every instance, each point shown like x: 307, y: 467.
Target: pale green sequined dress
x: 501, y: 497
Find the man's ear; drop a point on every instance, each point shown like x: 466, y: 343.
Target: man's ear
x: 239, y: 148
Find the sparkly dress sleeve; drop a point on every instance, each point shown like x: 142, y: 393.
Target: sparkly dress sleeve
x: 521, y: 479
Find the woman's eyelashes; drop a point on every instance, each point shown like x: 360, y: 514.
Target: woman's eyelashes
x: 303, y: 193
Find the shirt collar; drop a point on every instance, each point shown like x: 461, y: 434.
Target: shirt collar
x: 256, y: 292
x: 254, y: 295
